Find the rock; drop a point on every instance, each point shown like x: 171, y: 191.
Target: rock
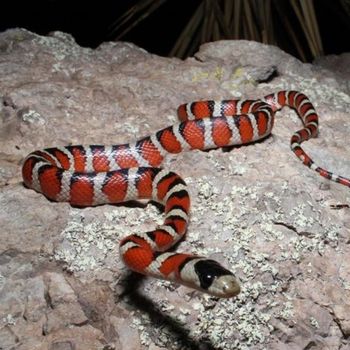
x: 255, y: 208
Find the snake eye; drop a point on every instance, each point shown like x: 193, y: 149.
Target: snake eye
x: 206, y: 280
x: 207, y: 271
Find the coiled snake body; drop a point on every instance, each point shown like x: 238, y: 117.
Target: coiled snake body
x: 92, y: 175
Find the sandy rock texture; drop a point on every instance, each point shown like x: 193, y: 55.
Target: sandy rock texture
x: 257, y: 209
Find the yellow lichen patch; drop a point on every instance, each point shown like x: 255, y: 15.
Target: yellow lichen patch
x: 216, y: 74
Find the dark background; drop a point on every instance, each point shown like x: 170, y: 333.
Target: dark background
x: 90, y: 23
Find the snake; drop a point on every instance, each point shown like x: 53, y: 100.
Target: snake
x: 99, y: 174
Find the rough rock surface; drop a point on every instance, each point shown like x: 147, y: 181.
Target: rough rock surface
x: 255, y: 208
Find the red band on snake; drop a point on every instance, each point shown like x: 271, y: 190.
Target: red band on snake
x: 92, y: 175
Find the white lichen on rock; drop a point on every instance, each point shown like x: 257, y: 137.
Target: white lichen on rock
x: 288, y: 311
x: 85, y: 246
x: 63, y: 46
x: 314, y: 322
x: 33, y: 117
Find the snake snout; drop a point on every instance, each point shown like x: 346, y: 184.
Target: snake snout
x: 229, y: 285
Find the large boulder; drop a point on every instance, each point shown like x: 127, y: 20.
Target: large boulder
x: 282, y: 228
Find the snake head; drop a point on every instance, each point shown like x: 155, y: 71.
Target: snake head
x: 272, y: 101
x: 210, y: 277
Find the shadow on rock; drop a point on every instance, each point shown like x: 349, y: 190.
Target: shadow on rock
x: 132, y: 296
